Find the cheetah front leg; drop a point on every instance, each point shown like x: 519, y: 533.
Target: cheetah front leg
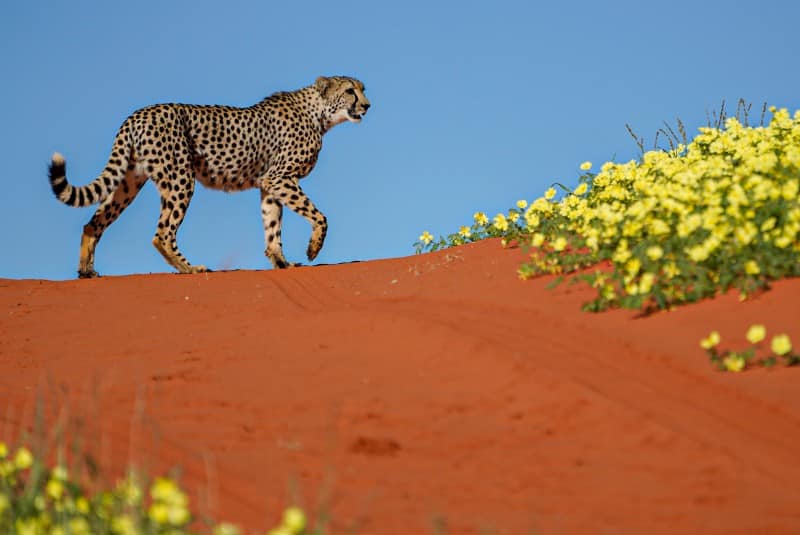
x: 286, y: 192
x: 271, y: 214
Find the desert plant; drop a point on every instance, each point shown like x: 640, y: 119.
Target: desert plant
x: 676, y: 226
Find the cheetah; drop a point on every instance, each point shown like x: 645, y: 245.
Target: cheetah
x: 270, y: 145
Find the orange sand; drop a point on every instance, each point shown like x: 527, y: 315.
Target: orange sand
x: 396, y: 392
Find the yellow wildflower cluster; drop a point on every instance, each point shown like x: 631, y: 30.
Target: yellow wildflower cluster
x: 36, y: 500
x: 736, y: 361
x: 720, y: 212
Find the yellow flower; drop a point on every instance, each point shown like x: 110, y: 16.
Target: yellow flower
x: 689, y: 225
x: 585, y: 166
x: 158, y: 513
x: 632, y: 288
x: 751, y: 267
x: 783, y: 242
x: 633, y: 266
x: 608, y: 292
x: 522, y: 204
x: 465, y: 232
x: 745, y: 233
x: 671, y: 270
x: 646, y: 282
x: 480, y: 218
x: 294, y: 520
x: 537, y: 240
x: 550, y: 193
x: 532, y: 219
x: 513, y: 216
x: 560, y: 244
x: 698, y: 253
x: 167, y: 490
x: 712, y: 340
x: 769, y: 224
x: 82, y: 505
x: 54, y: 489
x: 500, y: 222
x: 581, y: 189
x: 756, y: 333
x: 23, y: 459
x: 426, y: 237
x: 781, y: 344
x: 734, y: 362
x: 169, y: 503
x: 177, y: 515
x: 654, y: 252
x: 622, y: 253
x: 659, y: 227
x: 790, y: 190
x: 3, y: 450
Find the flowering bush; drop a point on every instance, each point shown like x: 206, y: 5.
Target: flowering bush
x: 37, y: 500
x: 736, y: 361
x: 720, y: 212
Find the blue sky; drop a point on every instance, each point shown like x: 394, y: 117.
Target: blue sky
x: 474, y: 105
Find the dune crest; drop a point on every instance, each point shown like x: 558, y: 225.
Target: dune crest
x: 402, y: 390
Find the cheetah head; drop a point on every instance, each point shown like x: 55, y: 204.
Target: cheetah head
x: 344, y: 98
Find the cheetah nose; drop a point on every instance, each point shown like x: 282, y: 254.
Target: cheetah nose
x: 366, y: 106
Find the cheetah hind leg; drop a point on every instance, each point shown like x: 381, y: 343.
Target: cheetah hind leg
x: 175, y: 259
x: 108, y: 212
x: 174, y: 202
x: 86, y: 264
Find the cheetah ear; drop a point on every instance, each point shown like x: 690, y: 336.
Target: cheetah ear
x: 322, y: 84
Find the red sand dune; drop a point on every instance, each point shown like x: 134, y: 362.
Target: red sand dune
x: 400, y: 391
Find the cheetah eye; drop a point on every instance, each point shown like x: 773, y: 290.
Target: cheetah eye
x: 350, y: 91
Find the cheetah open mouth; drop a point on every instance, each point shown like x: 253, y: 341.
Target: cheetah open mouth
x: 353, y: 116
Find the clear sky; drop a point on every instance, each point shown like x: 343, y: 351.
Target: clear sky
x: 474, y: 105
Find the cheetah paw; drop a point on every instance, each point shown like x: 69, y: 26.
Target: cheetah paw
x: 313, y: 250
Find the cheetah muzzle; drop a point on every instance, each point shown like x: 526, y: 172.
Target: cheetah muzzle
x: 270, y: 146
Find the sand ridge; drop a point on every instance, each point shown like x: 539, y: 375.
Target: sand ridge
x: 405, y: 390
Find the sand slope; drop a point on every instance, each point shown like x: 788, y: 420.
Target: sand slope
x: 400, y: 391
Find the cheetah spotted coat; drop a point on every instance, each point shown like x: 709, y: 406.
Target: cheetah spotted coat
x: 270, y: 146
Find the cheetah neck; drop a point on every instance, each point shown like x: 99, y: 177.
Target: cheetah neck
x: 311, y: 103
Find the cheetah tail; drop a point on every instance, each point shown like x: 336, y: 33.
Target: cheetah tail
x: 69, y: 194
x: 94, y: 192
